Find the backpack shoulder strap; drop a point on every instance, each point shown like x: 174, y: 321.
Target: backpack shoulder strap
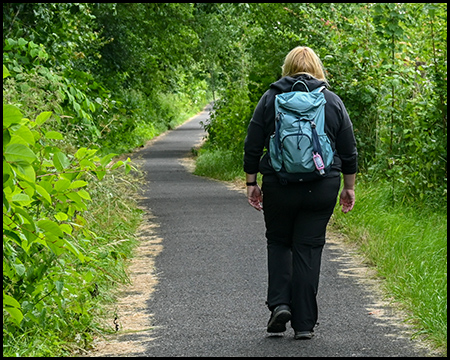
x: 319, y: 89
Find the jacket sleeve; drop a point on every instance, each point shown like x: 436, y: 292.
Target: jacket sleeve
x: 346, y: 143
x: 255, y: 139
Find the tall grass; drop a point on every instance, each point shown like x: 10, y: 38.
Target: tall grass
x: 218, y: 164
x: 408, y: 246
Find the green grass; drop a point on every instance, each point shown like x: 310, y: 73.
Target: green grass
x: 218, y: 164
x: 407, y: 246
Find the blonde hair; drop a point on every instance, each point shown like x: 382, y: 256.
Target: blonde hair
x: 303, y: 60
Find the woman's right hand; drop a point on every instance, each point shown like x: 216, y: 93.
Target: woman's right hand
x: 347, y: 199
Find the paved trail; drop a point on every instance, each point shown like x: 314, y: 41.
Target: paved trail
x: 211, y: 272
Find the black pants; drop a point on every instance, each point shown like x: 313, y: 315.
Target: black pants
x: 296, y: 217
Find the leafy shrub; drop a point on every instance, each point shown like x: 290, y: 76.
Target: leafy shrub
x: 49, y: 273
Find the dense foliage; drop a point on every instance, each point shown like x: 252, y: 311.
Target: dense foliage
x: 79, y: 89
x: 388, y: 62
x: 48, y: 270
x: 86, y: 81
x: 115, y: 83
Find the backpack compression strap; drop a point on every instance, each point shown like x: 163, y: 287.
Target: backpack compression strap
x: 315, y: 139
x: 278, y: 120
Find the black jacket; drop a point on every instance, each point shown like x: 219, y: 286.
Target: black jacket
x: 338, y: 127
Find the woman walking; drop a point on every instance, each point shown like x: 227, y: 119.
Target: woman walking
x: 296, y: 214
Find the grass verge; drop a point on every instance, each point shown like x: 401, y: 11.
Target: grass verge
x: 408, y: 247
x: 218, y: 164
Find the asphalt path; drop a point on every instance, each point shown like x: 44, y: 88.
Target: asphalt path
x: 212, y: 277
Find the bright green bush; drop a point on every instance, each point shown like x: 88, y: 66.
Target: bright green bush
x: 49, y: 272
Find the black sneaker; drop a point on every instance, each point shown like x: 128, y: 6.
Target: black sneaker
x: 280, y: 316
x: 303, y: 335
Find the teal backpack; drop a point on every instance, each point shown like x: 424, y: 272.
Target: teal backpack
x: 299, y: 149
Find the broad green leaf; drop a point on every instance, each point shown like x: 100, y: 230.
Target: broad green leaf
x: 27, y: 218
x: 15, y: 313
x: 59, y: 286
x: 77, y: 198
x: 88, y: 276
x: 87, y: 164
x: 55, y: 243
x: 85, y: 153
x: 61, y: 216
x: 54, y: 135
x: 70, y: 175
x: 43, y: 117
x: 81, y: 152
x: 91, y: 152
x: 100, y: 174
x: 23, y: 199
x: 11, y: 115
x: 50, y: 227
x: 61, y: 197
x: 28, y: 187
x: 18, y: 69
x: 25, y: 133
x: 20, y: 269
x: 42, y: 54
x: 19, y: 153
x: 41, y: 191
x: 6, y: 137
x: 61, y: 185
x: 14, y: 139
x: 66, y: 228
x: 106, y: 159
x: 5, y: 201
x: 5, y: 72
x: 34, y: 52
x: 84, y: 194
x: 117, y: 164
x: 74, y: 250
x: 77, y: 184
x: 22, y: 42
x: 12, y: 235
x: 71, y: 98
x: 10, y: 43
x: 7, y: 170
x: 60, y: 161
x: 46, y: 184
x: 71, y: 210
x: 9, y: 300
x: 77, y: 107
x: 26, y: 172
